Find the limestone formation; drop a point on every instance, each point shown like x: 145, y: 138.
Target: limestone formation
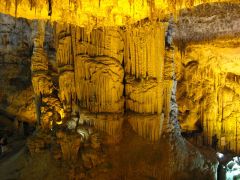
x: 38, y: 143
x: 99, y: 84
x: 97, y: 13
x: 16, y: 92
x: 99, y: 80
x: 210, y: 81
x: 48, y: 106
x: 67, y: 87
x: 144, y: 96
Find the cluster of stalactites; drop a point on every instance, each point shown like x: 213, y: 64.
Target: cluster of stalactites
x: 144, y: 58
x: 220, y: 117
x: 99, y: 84
x: 145, y: 96
x: 144, y: 51
x: 89, y: 66
x: 100, y: 42
x: 210, y: 85
x: 65, y: 63
x: 144, y: 67
x: 97, y: 13
x: 67, y: 87
x: 39, y: 62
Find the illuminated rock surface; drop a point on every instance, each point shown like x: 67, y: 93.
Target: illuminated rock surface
x: 208, y: 72
x: 100, y: 82
x: 92, y: 13
x: 210, y: 80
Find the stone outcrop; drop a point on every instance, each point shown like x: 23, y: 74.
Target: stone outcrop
x: 16, y: 43
x: 207, y: 22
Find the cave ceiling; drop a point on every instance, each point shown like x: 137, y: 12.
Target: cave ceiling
x: 95, y: 13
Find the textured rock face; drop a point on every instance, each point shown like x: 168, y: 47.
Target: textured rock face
x: 144, y: 68
x: 111, y: 70
x: 208, y: 94
x: 208, y: 72
x: 16, y: 94
x: 48, y: 106
x: 70, y: 144
x: 96, y: 13
x: 207, y: 22
x: 99, y: 84
x: 124, y: 78
x: 16, y: 44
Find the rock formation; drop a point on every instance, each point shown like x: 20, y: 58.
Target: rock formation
x: 100, y: 82
x: 16, y: 94
x: 208, y: 70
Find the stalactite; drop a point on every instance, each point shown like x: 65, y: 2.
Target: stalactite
x: 49, y: 7
x: 95, y: 78
x: 8, y: 5
x: 16, y: 6
x: 144, y: 97
x: 67, y: 86
x: 144, y: 67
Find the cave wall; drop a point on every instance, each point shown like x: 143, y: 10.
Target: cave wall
x: 58, y: 69
x: 15, y: 77
x: 126, y: 70
x: 16, y: 45
x: 207, y: 66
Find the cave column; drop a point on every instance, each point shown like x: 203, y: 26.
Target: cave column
x: 48, y: 106
x: 170, y: 86
x: 39, y: 64
x: 65, y: 62
x: 144, y: 77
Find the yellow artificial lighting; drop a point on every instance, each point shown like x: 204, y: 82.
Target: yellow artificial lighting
x: 59, y: 122
x: 62, y: 114
x: 97, y: 12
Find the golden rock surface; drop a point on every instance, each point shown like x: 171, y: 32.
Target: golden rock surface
x: 208, y: 91
x: 92, y: 13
